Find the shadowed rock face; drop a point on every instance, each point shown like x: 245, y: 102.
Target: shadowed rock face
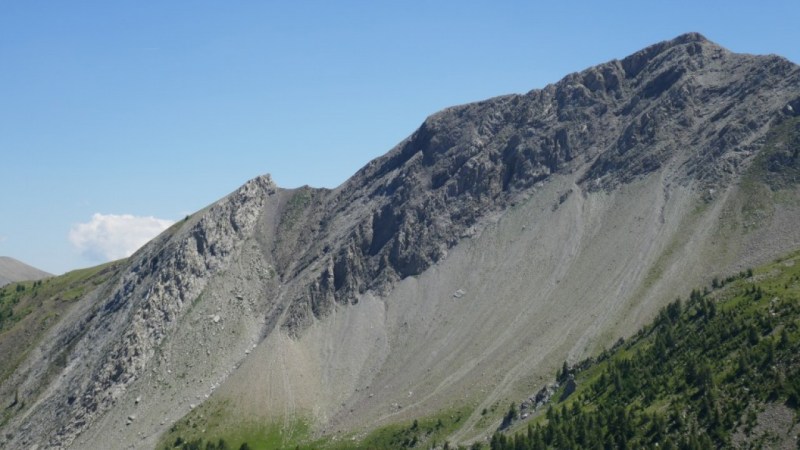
x: 278, y: 261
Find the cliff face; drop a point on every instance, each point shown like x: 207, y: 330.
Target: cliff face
x: 557, y: 220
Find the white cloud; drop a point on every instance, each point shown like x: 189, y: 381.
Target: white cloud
x: 110, y: 236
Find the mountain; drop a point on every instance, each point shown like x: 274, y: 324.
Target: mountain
x: 12, y: 270
x: 454, y: 274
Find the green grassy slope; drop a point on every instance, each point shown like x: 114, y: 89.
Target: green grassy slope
x: 207, y: 428
x: 721, y: 369
x: 28, y: 309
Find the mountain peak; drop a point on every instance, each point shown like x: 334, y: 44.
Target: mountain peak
x: 691, y: 36
x: 693, y: 43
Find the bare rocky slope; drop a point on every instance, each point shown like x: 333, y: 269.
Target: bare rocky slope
x: 556, y: 221
x: 12, y: 270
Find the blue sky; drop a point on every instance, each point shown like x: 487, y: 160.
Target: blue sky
x: 118, y: 117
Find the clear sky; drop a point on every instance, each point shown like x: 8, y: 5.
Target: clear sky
x: 117, y: 117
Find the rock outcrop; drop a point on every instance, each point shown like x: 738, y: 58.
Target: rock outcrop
x: 113, y: 340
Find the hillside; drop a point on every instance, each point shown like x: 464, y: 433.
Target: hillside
x: 718, y: 368
x: 12, y: 270
x: 449, y: 277
x: 28, y: 309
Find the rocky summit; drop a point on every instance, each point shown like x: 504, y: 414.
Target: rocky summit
x: 455, y: 273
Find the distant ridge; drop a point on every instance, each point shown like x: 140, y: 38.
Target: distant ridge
x: 12, y: 270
